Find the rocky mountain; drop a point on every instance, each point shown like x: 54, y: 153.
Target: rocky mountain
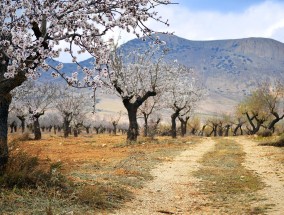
x: 229, y: 69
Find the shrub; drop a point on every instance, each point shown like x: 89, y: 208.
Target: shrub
x: 23, y: 170
x: 266, y: 133
x: 102, y: 196
x: 280, y: 141
x: 277, y: 143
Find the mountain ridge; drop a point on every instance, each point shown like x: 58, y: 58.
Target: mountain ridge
x: 228, y: 68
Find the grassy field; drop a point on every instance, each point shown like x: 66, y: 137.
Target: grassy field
x: 99, y: 173
x: 81, y: 175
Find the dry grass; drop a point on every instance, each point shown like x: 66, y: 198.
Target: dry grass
x: 103, y: 171
x: 274, y: 146
x: 225, y: 180
x: 279, y: 142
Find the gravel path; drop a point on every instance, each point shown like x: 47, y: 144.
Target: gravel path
x: 174, y: 189
x: 258, y: 159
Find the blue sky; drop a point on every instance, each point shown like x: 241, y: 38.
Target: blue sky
x: 224, y: 6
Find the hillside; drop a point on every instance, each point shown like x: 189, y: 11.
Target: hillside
x: 229, y: 69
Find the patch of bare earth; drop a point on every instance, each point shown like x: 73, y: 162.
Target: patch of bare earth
x: 266, y: 162
x: 174, y: 188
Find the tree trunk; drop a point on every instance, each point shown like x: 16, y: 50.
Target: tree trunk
x: 254, y: 128
x: 97, y: 129
x: 66, y: 124
x: 5, y: 101
x: 23, y: 120
x: 183, y: 123
x: 114, y: 128
x: 132, y: 132
x: 11, y: 128
x: 87, y: 129
x: 145, y: 124
x: 201, y: 133
x: 214, y: 130
x: 76, y: 132
x: 174, y: 126
x: 37, y: 131
x: 236, y: 129
x: 182, y: 127
x: 227, y: 128
x: 274, y: 121
x: 183, y: 130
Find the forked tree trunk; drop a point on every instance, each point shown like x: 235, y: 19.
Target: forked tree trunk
x: 132, y: 108
x: 5, y: 101
x: 214, y: 130
x: 254, y: 127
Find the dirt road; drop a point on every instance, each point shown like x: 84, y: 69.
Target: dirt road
x: 263, y: 160
x: 174, y: 190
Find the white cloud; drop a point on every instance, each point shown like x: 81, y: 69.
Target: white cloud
x: 261, y: 20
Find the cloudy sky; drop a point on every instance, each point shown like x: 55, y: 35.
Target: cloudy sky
x: 219, y: 19
x: 227, y: 19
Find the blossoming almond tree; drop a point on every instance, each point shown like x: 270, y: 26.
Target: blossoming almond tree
x: 135, y: 78
x: 182, y: 94
x: 31, y: 32
x: 37, y: 99
x: 71, y: 105
x: 148, y: 108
